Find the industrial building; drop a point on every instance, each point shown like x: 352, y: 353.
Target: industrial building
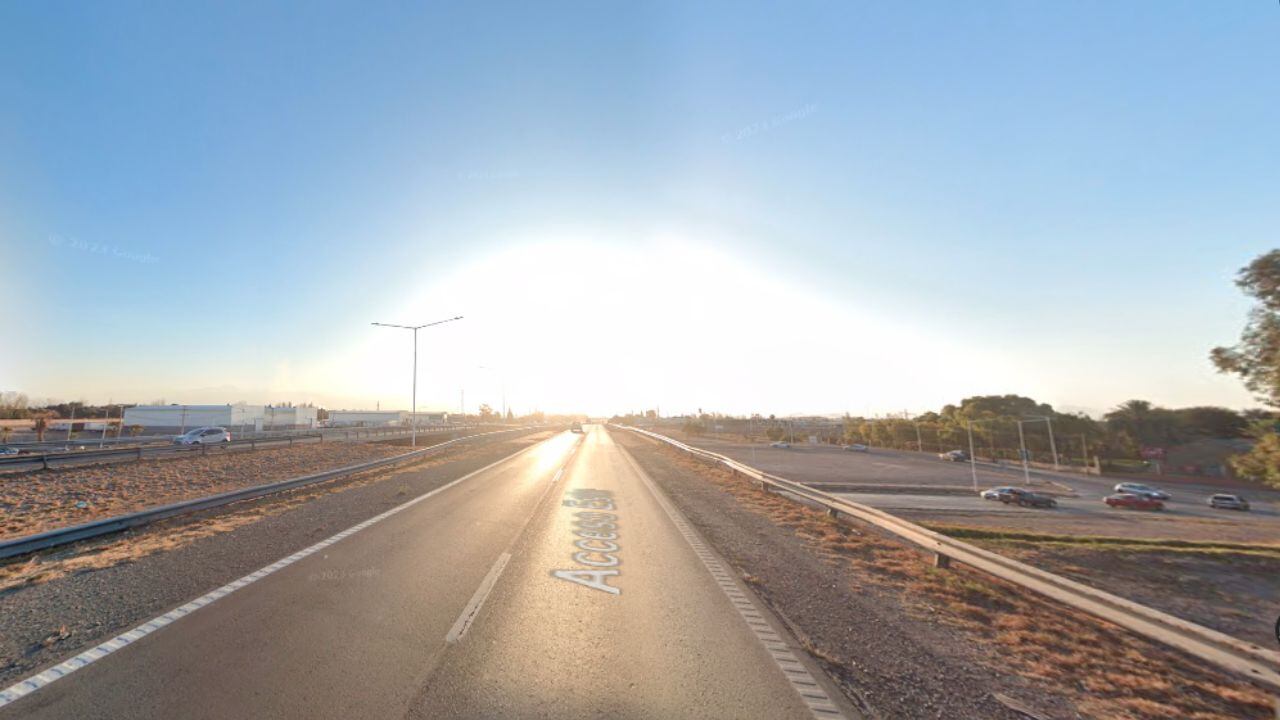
x: 180, y: 418
x: 288, y: 418
x: 379, y: 418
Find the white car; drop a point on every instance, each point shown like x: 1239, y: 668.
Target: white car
x: 780, y: 444
x: 857, y: 447
x: 203, y: 436
x: 1140, y: 489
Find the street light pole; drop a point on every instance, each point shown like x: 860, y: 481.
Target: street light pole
x: 1022, y: 445
x: 413, y: 418
x: 973, y: 461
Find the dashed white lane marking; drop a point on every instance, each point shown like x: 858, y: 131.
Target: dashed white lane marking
x: 810, y: 692
x: 477, y: 601
x: 472, y: 610
x: 35, y: 682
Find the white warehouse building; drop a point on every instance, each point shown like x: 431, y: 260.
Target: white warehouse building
x: 379, y: 418
x: 179, y: 418
x: 288, y: 418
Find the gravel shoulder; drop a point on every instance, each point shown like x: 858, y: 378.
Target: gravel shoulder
x: 62, y: 601
x: 40, y: 500
x: 1234, y: 589
x: 906, y: 640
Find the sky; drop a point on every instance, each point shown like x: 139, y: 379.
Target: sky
x: 807, y: 207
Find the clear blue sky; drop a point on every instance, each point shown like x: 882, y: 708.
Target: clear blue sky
x: 944, y: 198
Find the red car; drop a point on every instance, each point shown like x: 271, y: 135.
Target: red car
x: 1134, y: 502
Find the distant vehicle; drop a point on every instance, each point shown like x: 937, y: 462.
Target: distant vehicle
x: 6, y: 450
x: 1224, y: 501
x: 1140, y: 489
x: 1134, y: 501
x: 780, y: 444
x: 203, y: 436
x: 954, y: 456
x: 576, y: 427
x: 1019, y: 496
x: 856, y: 447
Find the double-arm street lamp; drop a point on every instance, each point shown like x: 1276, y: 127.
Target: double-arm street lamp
x: 413, y: 422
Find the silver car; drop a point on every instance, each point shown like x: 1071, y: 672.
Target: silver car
x: 1226, y: 501
x: 203, y: 436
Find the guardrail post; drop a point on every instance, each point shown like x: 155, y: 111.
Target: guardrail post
x: 290, y: 441
x: 833, y: 513
x: 253, y: 444
x: 44, y: 460
x: 204, y: 449
x: 139, y: 452
x: 941, y: 561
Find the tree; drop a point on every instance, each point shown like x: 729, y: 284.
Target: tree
x: 5, y: 432
x: 486, y: 413
x: 41, y: 423
x: 1256, y: 358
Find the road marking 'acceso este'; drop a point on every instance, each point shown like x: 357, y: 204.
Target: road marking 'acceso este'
x: 35, y: 682
x: 817, y: 700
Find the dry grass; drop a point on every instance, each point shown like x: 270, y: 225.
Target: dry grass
x: 1104, y: 670
x: 32, y: 502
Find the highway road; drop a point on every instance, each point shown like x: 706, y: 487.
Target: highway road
x: 556, y: 583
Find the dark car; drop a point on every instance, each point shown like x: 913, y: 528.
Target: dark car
x: 1225, y: 501
x: 576, y: 427
x: 1134, y: 501
x: 1019, y: 496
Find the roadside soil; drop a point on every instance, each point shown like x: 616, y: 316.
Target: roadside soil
x: 1136, y: 524
x: 1232, y: 588
x: 907, y: 640
x: 39, y: 500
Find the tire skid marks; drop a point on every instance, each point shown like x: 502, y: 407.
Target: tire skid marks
x: 810, y: 692
x: 25, y: 687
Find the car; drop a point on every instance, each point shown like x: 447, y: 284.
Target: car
x: 1140, y: 489
x: 954, y: 456
x: 6, y: 450
x: 203, y: 436
x: 1019, y: 496
x: 1225, y: 501
x: 576, y: 427
x: 857, y: 447
x: 992, y: 493
x: 780, y: 444
x: 1134, y: 501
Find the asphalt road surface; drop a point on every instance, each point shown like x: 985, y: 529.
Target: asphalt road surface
x: 556, y: 583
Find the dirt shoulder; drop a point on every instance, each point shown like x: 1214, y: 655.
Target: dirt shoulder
x: 906, y: 640
x: 1230, y: 587
x: 40, y: 500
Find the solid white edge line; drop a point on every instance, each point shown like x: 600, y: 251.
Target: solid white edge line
x: 25, y: 687
x: 469, y: 613
x: 811, y: 693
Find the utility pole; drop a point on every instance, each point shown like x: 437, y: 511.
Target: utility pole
x: 413, y: 421
x: 973, y: 461
x: 1053, y: 447
x: 919, y: 440
x: 1022, y: 444
x: 105, y: 424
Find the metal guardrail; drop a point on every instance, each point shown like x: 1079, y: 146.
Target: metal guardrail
x: 1248, y: 660
x: 106, y: 526
x: 138, y: 452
